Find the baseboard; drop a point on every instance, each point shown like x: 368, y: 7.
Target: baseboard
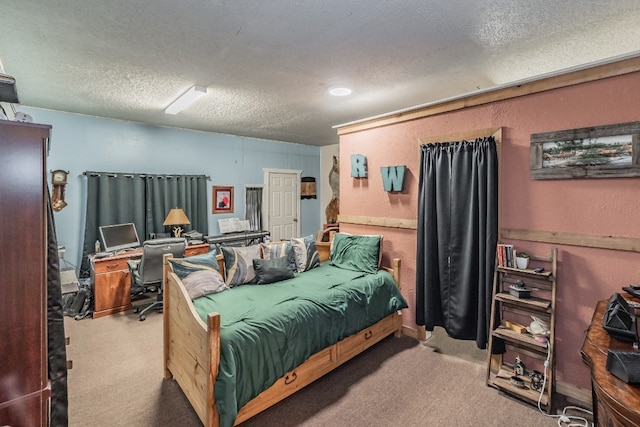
x: 419, y: 333
x: 579, y: 395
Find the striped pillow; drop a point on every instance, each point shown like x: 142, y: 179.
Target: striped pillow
x: 185, y: 266
x: 306, y: 253
x: 273, y: 250
x: 238, y: 264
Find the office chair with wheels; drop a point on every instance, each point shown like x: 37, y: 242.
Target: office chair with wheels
x: 146, y: 273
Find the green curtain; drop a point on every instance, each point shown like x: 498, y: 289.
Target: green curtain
x: 143, y: 199
x: 165, y: 192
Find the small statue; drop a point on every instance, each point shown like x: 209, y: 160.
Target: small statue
x: 519, y: 368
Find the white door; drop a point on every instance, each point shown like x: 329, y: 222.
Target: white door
x: 283, y: 204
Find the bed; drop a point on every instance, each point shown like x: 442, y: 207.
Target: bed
x: 291, y: 332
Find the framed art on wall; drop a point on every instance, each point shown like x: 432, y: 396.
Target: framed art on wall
x: 611, y: 151
x: 222, y: 199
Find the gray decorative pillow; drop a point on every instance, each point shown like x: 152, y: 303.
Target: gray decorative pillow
x: 238, y: 264
x: 273, y: 250
x: 306, y: 252
x: 204, y: 282
x: 272, y: 270
x: 185, y: 266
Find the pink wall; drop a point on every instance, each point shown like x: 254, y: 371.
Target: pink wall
x: 605, y: 206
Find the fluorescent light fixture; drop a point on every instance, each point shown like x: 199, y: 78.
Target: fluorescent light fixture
x: 186, y: 99
x: 340, y: 91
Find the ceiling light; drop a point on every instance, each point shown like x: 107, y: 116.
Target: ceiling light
x: 186, y: 99
x: 340, y: 91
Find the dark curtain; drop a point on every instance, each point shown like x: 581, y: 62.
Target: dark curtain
x: 143, y: 199
x: 57, y: 351
x: 112, y: 199
x: 165, y: 192
x: 457, y: 237
x: 253, y: 207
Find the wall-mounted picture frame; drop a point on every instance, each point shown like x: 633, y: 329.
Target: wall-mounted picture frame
x: 611, y: 151
x: 221, y: 199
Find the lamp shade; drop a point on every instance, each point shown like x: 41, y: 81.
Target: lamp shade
x: 176, y: 216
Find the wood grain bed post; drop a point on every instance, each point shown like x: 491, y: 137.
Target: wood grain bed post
x: 213, y: 327
x: 397, y: 263
x: 165, y: 309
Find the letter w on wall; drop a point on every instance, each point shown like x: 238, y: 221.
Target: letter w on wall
x: 393, y: 177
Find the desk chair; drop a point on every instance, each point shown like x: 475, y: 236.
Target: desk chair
x: 146, y: 273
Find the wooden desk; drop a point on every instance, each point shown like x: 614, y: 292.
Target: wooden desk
x: 615, y: 403
x: 111, y: 282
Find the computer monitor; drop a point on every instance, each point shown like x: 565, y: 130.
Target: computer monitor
x: 118, y: 237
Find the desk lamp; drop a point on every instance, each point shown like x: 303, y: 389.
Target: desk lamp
x: 176, y: 217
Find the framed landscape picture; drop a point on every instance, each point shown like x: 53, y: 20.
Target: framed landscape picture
x: 611, y: 151
x: 222, y: 199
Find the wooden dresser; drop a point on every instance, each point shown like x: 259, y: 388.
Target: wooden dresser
x: 24, y: 384
x: 112, y: 281
x: 615, y: 403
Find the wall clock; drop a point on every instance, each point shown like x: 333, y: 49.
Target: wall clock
x: 58, y: 182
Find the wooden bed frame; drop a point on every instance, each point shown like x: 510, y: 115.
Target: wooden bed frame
x: 192, y: 352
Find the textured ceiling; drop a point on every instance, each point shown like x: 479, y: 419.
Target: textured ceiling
x: 267, y: 64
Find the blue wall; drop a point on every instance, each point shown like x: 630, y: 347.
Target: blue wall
x: 82, y: 143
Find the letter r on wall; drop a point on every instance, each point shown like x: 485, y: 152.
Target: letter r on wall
x: 358, y: 166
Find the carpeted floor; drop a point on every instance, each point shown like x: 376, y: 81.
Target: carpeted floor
x: 117, y: 380
x: 465, y: 350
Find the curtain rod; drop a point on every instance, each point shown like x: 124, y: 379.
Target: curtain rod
x: 143, y: 175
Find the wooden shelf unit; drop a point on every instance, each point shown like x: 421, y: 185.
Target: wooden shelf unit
x: 541, y: 304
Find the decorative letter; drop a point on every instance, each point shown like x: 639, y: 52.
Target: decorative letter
x: 393, y: 177
x: 358, y: 166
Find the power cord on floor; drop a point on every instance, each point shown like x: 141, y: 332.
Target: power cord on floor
x: 564, y: 420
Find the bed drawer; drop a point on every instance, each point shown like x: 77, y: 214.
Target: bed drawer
x: 356, y: 343
x: 312, y: 369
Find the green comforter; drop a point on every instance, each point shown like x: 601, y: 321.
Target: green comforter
x: 268, y: 330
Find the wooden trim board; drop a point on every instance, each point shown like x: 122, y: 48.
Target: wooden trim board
x: 379, y: 221
x: 598, y: 72
x: 631, y: 244
x: 468, y: 135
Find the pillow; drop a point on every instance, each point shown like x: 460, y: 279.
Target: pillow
x: 204, y: 282
x: 279, y: 249
x: 306, y: 253
x: 185, y: 266
x: 238, y: 264
x: 272, y: 270
x: 357, y: 253
x: 380, y: 236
